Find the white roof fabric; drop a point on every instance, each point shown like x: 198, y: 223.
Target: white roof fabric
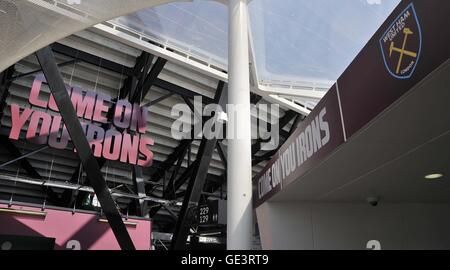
x: 292, y: 40
x: 312, y: 40
x: 28, y: 25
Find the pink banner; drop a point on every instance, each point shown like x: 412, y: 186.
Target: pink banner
x: 71, y: 231
x: 129, y: 145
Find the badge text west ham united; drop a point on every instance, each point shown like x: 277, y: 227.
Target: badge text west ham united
x: 401, y: 44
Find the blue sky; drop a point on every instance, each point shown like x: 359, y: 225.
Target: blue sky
x: 313, y: 39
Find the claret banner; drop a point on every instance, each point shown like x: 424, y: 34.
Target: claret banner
x: 412, y: 43
x: 314, y: 139
x: 122, y: 140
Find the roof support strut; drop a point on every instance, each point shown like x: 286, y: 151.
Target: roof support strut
x: 139, y: 186
x: 56, y: 84
x: 197, y: 180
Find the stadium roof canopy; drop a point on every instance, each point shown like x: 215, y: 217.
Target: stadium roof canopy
x: 296, y: 45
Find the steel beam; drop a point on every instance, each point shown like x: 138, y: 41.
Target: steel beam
x: 134, y: 92
x: 63, y: 64
x: 137, y: 94
x: 92, y: 59
x: 180, y: 90
x: 301, y: 92
x: 170, y: 160
x: 129, y: 84
x: 56, y: 84
x: 6, y: 79
x: 68, y: 195
x: 143, y: 64
x: 151, y: 77
x: 64, y: 185
x: 18, y: 156
x: 197, y: 180
x: 169, y: 189
x: 126, y: 71
x: 179, y: 151
x: 5, y: 82
x: 222, y: 155
x: 185, y: 176
x: 297, y: 120
x: 255, y: 98
x: 139, y: 185
x: 156, y: 101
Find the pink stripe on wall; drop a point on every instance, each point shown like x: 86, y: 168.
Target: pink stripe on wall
x: 70, y: 230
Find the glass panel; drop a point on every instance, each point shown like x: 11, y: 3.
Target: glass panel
x: 198, y: 28
x: 310, y: 40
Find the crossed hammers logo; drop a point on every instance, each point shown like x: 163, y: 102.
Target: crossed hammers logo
x: 402, y: 51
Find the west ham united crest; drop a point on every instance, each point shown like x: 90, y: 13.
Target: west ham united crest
x: 401, y: 44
